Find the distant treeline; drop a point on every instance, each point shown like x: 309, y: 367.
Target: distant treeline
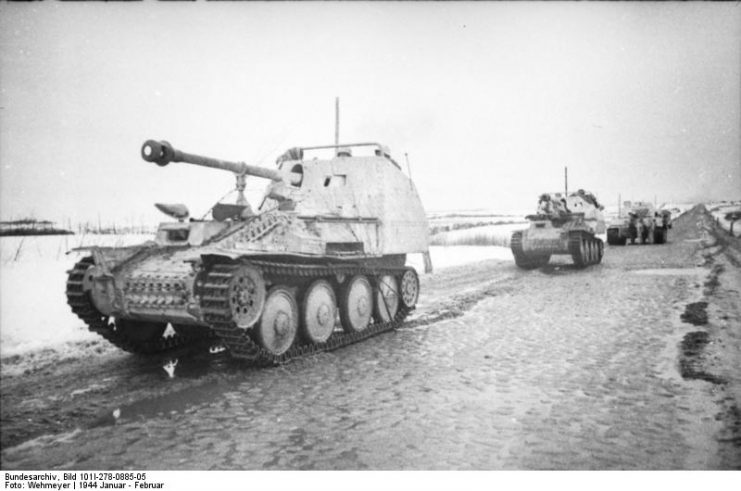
x: 30, y: 226
x: 87, y: 228
x: 437, y: 229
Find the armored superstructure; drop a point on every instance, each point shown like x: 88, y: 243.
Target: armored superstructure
x: 328, y: 243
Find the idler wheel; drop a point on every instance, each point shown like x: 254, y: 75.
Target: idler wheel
x: 278, y: 325
x: 387, y: 298
x: 356, y: 304
x: 246, y: 296
x: 319, y: 310
x: 409, y: 288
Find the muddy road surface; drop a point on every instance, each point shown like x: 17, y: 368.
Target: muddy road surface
x: 631, y: 364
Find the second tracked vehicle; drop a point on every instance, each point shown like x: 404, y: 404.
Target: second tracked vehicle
x: 563, y: 224
x: 319, y: 264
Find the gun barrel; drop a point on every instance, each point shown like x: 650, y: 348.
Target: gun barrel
x: 162, y: 153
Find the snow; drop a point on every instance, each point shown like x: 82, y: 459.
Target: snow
x: 34, y: 314
x: 449, y: 256
x: 498, y: 234
x: 721, y: 211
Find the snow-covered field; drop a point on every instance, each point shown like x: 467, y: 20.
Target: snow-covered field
x: 458, y: 216
x: 33, y: 307
x: 728, y: 216
x: 34, y: 314
x: 478, y: 236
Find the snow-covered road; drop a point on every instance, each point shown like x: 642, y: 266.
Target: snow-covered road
x: 627, y: 365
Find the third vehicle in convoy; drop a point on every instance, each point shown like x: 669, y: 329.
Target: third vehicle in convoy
x: 642, y: 222
x: 563, y: 224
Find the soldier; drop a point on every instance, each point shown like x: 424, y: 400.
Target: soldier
x: 589, y: 198
x: 545, y: 205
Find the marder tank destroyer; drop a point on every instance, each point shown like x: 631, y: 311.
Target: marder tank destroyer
x: 563, y: 224
x: 320, y: 263
x: 643, y: 222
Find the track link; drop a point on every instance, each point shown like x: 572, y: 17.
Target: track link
x: 105, y: 326
x: 522, y: 259
x: 241, y: 345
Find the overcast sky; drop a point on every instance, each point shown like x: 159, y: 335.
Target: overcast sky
x: 489, y: 100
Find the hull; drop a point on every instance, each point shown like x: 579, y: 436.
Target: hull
x: 570, y: 235
x: 132, y: 303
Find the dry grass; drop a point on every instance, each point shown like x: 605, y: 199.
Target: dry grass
x: 470, y: 240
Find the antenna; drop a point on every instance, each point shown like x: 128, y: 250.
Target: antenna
x: 336, y: 121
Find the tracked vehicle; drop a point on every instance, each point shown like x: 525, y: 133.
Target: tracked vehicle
x: 319, y: 265
x: 642, y: 223
x: 562, y: 225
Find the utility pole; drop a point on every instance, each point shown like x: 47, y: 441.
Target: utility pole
x: 336, y: 121
x: 566, y: 181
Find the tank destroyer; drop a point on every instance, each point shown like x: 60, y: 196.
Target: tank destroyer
x: 563, y: 224
x: 643, y: 223
x: 318, y: 265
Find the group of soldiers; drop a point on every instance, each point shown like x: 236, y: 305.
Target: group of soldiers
x: 552, y: 205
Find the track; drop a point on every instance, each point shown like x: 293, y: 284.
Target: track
x: 217, y: 314
x: 522, y: 259
x: 239, y: 341
x: 105, y: 326
x: 585, y: 250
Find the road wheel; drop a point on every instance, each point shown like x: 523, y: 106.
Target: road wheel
x: 387, y: 298
x: 579, y: 256
x: 356, y: 304
x: 318, y: 312
x: 409, y: 288
x: 278, y: 324
x: 246, y: 296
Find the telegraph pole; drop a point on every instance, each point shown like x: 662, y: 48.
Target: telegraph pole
x: 336, y: 121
